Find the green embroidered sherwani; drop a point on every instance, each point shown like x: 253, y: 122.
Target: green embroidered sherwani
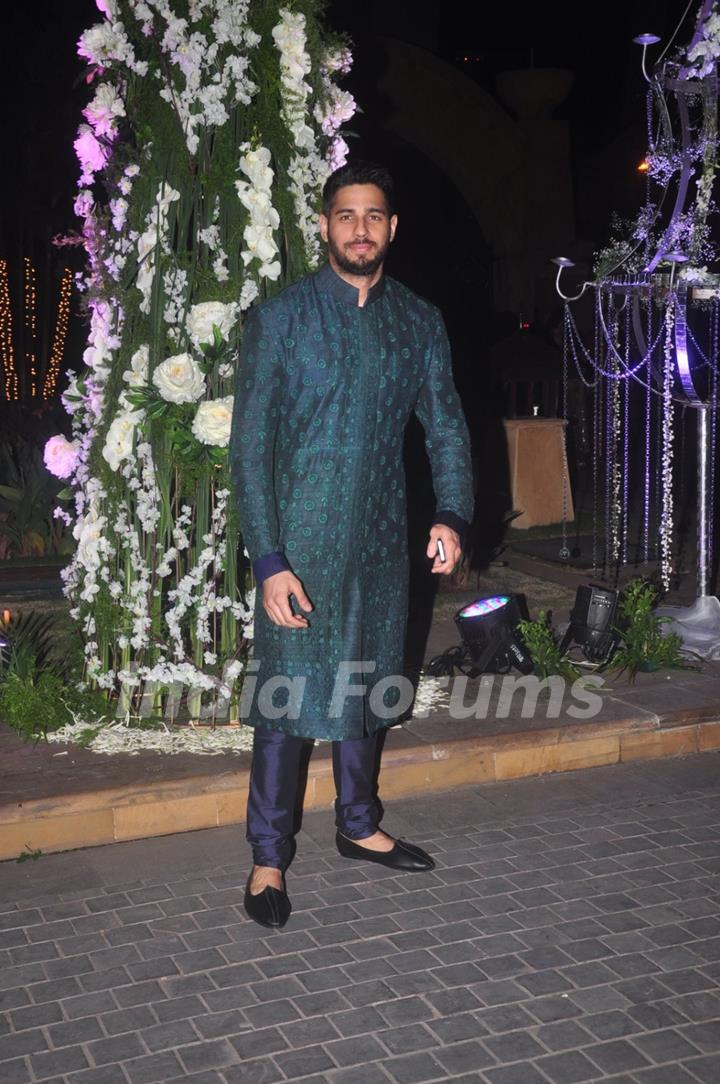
x: 323, y: 394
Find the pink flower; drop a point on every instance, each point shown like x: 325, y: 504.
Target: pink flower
x: 91, y: 154
x: 61, y: 456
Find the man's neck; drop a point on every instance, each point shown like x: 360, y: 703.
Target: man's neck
x: 362, y: 283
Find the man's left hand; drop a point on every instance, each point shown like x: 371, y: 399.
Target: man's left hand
x: 451, y: 544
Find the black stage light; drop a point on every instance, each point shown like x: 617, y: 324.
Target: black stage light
x: 593, y: 624
x: 488, y: 627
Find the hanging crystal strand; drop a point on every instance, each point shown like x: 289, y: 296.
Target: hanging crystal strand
x: 564, y: 551
x: 597, y: 435
x: 616, y: 475
x: 625, y: 515
x: 612, y: 546
x: 648, y: 441
x: 656, y: 524
x: 666, y: 466
x: 713, y: 400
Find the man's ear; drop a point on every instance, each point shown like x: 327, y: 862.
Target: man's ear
x: 393, y: 226
x: 323, y: 227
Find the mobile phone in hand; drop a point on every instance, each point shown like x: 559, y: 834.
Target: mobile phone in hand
x: 440, y: 549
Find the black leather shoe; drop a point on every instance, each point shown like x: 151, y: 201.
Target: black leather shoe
x: 270, y: 908
x: 404, y: 856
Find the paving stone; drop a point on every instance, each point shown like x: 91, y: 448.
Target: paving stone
x: 570, y: 1067
x: 102, y: 1074
x: 16, y: 1071
x: 210, y: 1054
x: 653, y: 1017
x: 65, y: 1060
x: 414, y: 1037
x: 271, y: 1012
x: 664, y: 1074
x: 608, y: 963
x: 704, y: 1069
x: 514, y: 1046
x: 706, y: 1037
x: 617, y: 1056
x: 463, y: 1057
x: 515, y: 1074
x: 75, y: 1031
x: 413, y: 1068
x: 153, y: 1068
x: 299, y: 1063
x: 565, y: 1035
x: 364, y: 1074
x: 611, y: 1025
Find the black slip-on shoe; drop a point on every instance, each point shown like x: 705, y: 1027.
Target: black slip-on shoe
x: 404, y: 856
x: 270, y: 908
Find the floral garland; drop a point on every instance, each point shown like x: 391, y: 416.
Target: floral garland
x: 178, y: 248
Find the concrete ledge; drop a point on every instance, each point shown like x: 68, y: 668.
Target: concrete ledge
x: 409, y: 765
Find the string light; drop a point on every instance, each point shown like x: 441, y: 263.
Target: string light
x: 30, y: 322
x: 58, y: 345
x: 7, y: 349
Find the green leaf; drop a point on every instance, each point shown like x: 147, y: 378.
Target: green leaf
x: 66, y: 494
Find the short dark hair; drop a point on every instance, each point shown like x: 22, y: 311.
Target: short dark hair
x: 359, y: 172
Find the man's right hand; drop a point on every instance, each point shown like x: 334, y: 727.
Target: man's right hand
x: 276, y: 600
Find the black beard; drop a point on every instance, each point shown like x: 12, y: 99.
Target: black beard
x: 366, y: 268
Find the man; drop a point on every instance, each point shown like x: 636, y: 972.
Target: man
x: 330, y: 371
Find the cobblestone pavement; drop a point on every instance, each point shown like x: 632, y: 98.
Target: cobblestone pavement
x: 570, y: 933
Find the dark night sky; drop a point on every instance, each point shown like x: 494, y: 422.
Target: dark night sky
x: 42, y: 91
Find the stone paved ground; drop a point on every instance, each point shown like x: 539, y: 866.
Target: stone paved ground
x: 570, y: 933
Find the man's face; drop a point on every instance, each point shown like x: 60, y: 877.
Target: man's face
x: 358, y: 229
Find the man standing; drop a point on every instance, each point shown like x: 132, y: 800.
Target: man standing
x: 330, y: 370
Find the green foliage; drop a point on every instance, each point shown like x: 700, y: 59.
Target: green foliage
x: 29, y: 855
x: 542, y: 644
x: 38, y: 703
x: 27, y: 499
x: 644, y: 644
x: 29, y: 642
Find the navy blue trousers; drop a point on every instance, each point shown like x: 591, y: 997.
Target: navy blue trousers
x: 274, y: 779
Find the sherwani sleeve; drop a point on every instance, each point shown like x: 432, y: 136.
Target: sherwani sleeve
x: 447, y: 441
x: 256, y: 416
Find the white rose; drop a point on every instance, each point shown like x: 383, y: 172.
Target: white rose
x: 119, y: 440
x: 137, y: 375
x: 179, y: 379
x: 208, y: 314
x: 212, y: 422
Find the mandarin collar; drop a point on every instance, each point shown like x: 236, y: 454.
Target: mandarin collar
x: 330, y: 282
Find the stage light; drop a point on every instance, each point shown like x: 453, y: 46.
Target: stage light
x: 593, y: 624
x: 488, y: 627
x: 644, y: 166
